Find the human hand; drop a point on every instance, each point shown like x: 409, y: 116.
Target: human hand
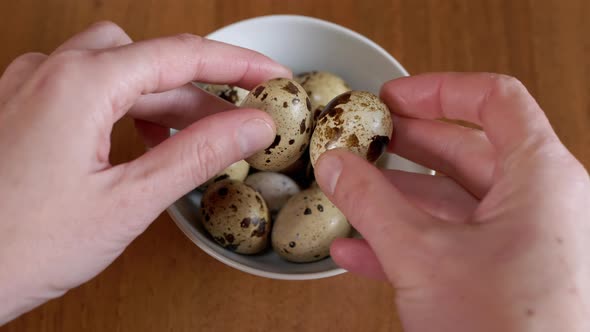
x: 501, y: 242
x: 65, y: 212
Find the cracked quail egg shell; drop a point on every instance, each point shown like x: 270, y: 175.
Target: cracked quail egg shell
x: 230, y: 93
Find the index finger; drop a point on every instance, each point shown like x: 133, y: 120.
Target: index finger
x: 509, y: 115
x: 167, y: 63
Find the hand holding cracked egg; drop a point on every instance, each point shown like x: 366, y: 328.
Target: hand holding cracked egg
x: 302, y: 224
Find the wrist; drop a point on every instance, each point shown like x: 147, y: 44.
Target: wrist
x: 19, y: 292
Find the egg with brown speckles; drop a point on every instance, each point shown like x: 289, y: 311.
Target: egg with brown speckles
x: 233, y: 94
x: 321, y: 87
x: 236, y: 216
x: 306, y: 227
x: 357, y: 121
x: 275, y: 188
x: 236, y: 171
x: 289, y: 106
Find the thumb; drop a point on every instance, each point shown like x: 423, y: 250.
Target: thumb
x: 356, y: 256
x: 396, y: 231
x: 186, y: 160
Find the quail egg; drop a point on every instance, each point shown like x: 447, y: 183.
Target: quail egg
x: 321, y: 87
x: 288, y: 104
x: 236, y: 171
x: 236, y: 216
x: 233, y: 94
x: 275, y: 188
x: 306, y: 226
x: 357, y: 121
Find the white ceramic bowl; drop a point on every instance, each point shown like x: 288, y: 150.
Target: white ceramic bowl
x: 303, y: 44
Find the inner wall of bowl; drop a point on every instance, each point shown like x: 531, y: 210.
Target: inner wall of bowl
x: 302, y: 44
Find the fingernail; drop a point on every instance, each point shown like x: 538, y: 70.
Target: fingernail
x: 288, y: 71
x: 255, y: 135
x: 328, y: 171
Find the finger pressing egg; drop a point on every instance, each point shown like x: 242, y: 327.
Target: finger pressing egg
x: 233, y: 94
x: 236, y: 216
x: 289, y: 106
x: 356, y: 121
x: 275, y: 188
x: 321, y: 87
x: 306, y: 227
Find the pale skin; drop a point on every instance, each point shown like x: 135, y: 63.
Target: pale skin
x: 498, y: 244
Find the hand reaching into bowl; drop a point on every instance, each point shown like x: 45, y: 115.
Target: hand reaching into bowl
x: 65, y: 212
x: 501, y: 242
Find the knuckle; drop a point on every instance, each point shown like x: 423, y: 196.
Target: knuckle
x: 60, y: 69
x: 69, y: 56
x: 507, y: 85
x: 117, y: 34
x: 107, y: 26
x: 506, y: 79
x: 190, y: 41
x: 204, y: 162
x: 27, y: 59
x: 189, y: 38
x: 579, y: 175
x: 65, y: 63
x: 59, y: 72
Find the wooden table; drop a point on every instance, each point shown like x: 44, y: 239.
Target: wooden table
x: 164, y: 283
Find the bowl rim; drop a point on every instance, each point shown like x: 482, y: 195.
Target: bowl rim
x: 181, y: 221
x: 326, y: 24
x: 177, y: 217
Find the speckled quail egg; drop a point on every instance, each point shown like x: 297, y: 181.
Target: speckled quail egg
x: 321, y: 87
x: 306, y: 226
x: 236, y: 171
x: 357, y: 121
x: 236, y: 216
x: 289, y: 106
x: 233, y: 94
x: 275, y: 188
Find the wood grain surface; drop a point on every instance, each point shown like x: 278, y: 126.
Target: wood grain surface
x: 163, y: 282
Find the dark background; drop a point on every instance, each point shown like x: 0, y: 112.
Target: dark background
x: 164, y: 283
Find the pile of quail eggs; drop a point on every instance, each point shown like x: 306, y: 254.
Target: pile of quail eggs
x: 272, y: 196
